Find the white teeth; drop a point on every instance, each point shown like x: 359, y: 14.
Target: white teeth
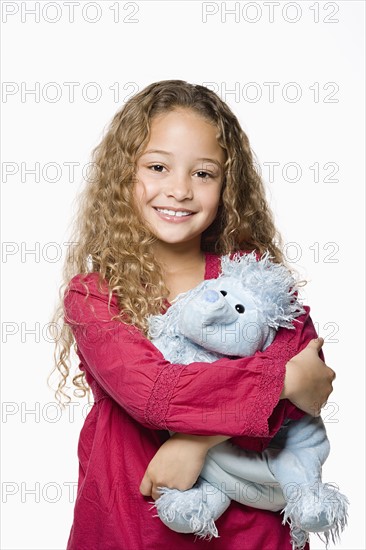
x: 179, y: 214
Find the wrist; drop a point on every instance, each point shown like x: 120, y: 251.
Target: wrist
x: 283, y: 392
x: 285, y: 388
x: 202, y: 442
x: 198, y: 444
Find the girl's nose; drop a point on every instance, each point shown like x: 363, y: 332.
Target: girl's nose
x: 179, y: 187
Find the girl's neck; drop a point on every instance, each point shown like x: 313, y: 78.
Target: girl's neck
x: 183, y: 267
x: 178, y: 257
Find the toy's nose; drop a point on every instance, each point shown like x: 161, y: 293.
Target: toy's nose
x: 211, y: 295
x: 217, y: 308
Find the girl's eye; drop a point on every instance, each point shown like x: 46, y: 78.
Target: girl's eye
x: 240, y: 308
x: 223, y: 292
x: 206, y: 174
x: 158, y: 166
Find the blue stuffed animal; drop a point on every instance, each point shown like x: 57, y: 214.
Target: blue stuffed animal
x: 235, y: 315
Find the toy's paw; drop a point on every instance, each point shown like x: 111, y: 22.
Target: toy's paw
x: 316, y: 522
x: 319, y: 508
x: 187, y: 511
x: 299, y: 538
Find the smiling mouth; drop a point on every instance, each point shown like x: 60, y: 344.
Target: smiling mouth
x: 174, y: 213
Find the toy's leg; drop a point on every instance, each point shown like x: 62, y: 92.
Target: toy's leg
x: 296, y: 456
x: 194, y: 510
x: 306, y: 446
x: 244, y: 476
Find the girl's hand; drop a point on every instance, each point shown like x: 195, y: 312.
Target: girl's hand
x: 178, y: 463
x: 308, y: 380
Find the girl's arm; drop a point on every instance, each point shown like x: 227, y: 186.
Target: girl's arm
x: 179, y: 461
x: 231, y: 397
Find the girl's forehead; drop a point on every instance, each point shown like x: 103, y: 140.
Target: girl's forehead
x: 182, y: 130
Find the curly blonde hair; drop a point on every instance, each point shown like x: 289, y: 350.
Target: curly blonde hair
x: 109, y: 235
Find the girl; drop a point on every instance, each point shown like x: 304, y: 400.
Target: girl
x: 173, y: 188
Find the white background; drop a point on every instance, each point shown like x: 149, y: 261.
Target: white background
x: 316, y: 46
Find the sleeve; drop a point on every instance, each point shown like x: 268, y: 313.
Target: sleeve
x: 230, y: 396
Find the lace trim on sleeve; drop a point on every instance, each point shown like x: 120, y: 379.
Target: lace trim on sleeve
x: 272, y: 381
x: 161, y: 395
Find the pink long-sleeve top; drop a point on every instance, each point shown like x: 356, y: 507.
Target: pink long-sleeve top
x: 139, y: 396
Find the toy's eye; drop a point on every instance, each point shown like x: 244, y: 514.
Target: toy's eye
x: 223, y: 292
x: 240, y: 308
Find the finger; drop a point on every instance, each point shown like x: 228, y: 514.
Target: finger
x: 316, y: 409
x: 331, y: 375
x: 155, y: 493
x: 146, y: 486
x: 315, y: 343
x: 318, y: 342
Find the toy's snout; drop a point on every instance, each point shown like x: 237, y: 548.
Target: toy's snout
x: 217, y: 308
x: 211, y: 295
x: 224, y: 321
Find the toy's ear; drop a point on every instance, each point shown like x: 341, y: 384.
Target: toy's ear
x: 156, y: 325
x: 272, y: 285
x: 166, y: 323
x: 279, y: 302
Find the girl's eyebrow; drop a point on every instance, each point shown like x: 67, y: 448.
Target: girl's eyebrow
x: 170, y: 154
x: 157, y: 151
x: 211, y: 160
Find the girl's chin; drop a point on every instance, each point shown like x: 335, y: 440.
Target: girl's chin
x: 170, y: 240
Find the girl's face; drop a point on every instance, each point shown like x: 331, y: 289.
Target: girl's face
x: 179, y: 177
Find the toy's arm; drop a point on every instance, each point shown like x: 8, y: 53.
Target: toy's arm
x: 231, y: 397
